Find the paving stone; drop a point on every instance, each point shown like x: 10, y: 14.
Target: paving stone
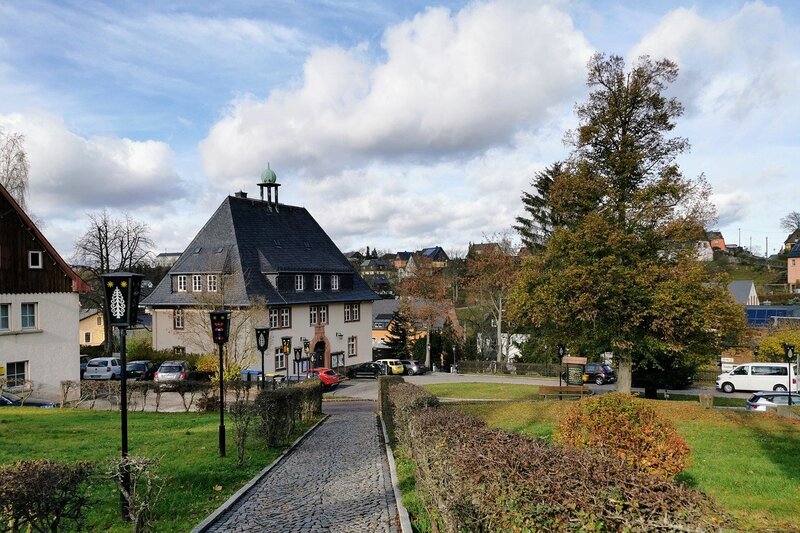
x: 335, y: 480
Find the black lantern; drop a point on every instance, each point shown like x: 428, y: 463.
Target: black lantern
x: 262, y: 343
x: 220, y: 326
x: 298, y: 360
x: 788, y: 350
x: 122, y: 298
x: 121, y: 291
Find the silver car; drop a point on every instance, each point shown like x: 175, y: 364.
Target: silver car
x: 103, y: 368
x: 761, y: 400
x: 172, y: 371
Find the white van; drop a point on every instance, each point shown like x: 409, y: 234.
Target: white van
x: 758, y: 377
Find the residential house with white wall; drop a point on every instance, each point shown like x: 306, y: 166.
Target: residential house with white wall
x: 38, y: 306
x: 270, y: 264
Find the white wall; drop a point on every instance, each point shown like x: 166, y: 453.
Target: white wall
x: 165, y: 337
x: 52, y: 350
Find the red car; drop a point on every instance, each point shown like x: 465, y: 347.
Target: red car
x: 330, y: 379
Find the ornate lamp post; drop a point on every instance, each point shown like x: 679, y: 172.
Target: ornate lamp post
x: 262, y: 342
x: 286, y: 347
x: 788, y: 350
x: 220, y: 326
x: 298, y: 359
x: 306, y: 348
x: 121, y: 311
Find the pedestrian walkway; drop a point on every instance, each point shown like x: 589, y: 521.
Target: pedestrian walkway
x: 337, y: 479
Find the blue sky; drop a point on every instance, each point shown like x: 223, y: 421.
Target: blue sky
x: 398, y: 124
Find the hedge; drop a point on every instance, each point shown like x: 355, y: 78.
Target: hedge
x: 474, y: 478
x: 280, y: 410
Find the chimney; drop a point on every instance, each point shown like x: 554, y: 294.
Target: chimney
x: 240, y: 194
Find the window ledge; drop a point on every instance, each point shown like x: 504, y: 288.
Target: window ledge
x: 20, y: 331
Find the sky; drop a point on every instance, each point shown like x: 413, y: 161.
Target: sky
x: 399, y: 125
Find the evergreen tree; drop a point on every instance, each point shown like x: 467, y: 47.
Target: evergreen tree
x: 400, y: 331
x: 535, y: 228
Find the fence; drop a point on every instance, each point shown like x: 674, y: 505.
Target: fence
x: 522, y: 369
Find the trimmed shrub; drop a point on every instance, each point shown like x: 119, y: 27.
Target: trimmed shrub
x: 406, y: 400
x: 622, y: 426
x: 145, y: 488
x: 474, y: 478
x: 43, y: 496
x: 279, y: 410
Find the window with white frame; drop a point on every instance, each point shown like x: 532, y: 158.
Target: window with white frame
x: 5, y: 317
x: 211, y: 283
x: 280, y: 359
x: 197, y: 283
x: 317, y: 282
x: 34, y: 259
x: 280, y: 317
x: 16, y: 373
x: 181, y: 283
x: 313, y: 316
x: 352, y: 346
x: 177, y: 318
x: 28, y: 315
x: 335, y: 282
x: 352, y: 312
x: 298, y: 282
x: 87, y: 337
x: 323, y: 314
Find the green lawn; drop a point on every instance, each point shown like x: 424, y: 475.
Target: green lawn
x: 185, y: 443
x: 485, y: 391
x: 747, y: 462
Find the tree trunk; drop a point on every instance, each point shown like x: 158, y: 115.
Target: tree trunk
x: 428, y: 348
x: 500, y: 332
x: 624, y: 376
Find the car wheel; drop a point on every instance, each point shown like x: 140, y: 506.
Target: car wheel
x: 599, y: 380
x: 113, y: 376
x: 779, y: 388
x: 728, y: 387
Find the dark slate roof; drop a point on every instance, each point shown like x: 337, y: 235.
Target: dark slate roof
x: 250, y: 239
x: 795, y: 252
x: 740, y: 289
x: 793, y: 237
x: 435, y: 253
x: 404, y: 256
x: 713, y: 235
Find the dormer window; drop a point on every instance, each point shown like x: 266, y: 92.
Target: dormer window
x: 35, y: 259
x: 335, y: 282
x: 181, y: 283
x: 298, y: 282
x: 317, y: 282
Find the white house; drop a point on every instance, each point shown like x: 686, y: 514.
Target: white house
x: 38, y: 306
x: 272, y: 265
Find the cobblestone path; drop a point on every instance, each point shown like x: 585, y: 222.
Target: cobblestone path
x: 336, y: 480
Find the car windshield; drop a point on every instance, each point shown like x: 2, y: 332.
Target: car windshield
x: 329, y: 373
x: 169, y: 369
x: 12, y: 396
x: 607, y: 368
x: 101, y: 362
x: 135, y: 366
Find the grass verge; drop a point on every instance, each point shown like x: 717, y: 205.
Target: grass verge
x: 485, y: 391
x: 196, y: 479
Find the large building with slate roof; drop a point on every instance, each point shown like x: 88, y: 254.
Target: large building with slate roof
x: 272, y: 264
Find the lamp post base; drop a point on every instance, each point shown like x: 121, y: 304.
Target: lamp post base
x: 222, y: 440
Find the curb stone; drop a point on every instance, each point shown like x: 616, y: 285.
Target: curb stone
x: 405, y: 521
x: 239, y: 494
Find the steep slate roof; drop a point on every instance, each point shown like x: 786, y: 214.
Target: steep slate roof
x: 740, y: 290
x: 435, y: 253
x: 795, y: 251
x: 250, y: 239
x: 793, y: 237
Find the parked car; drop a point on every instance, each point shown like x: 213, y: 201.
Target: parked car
x: 8, y: 399
x: 330, y: 379
x: 171, y: 371
x: 761, y: 400
x: 759, y: 377
x: 394, y: 365
x: 103, y: 368
x: 84, y: 362
x: 412, y: 367
x: 366, y: 370
x: 140, y: 370
x: 599, y: 374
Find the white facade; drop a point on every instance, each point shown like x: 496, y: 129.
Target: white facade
x: 49, y: 352
x: 337, y: 334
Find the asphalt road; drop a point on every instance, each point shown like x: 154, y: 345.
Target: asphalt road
x: 367, y: 389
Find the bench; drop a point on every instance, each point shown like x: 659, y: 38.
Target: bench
x: 565, y: 392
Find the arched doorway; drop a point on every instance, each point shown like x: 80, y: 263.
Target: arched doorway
x: 318, y: 355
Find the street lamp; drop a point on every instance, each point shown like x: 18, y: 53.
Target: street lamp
x: 455, y: 366
x: 121, y: 290
x: 262, y: 342
x: 286, y: 348
x: 306, y: 347
x: 298, y: 358
x: 220, y: 326
x: 788, y: 350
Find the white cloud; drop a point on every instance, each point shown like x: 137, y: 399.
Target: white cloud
x: 69, y: 172
x: 446, y: 84
x: 733, y: 66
